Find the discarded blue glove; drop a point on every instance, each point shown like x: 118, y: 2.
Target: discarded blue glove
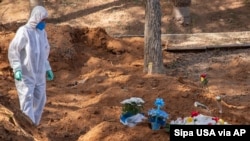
x: 18, y: 75
x: 50, y: 75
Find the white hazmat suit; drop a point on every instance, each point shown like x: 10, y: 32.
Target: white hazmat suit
x: 28, y: 53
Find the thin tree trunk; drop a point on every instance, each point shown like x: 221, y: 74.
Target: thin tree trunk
x: 181, y: 3
x: 153, y: 61
x: 181, y: 11
x: 34, y: 3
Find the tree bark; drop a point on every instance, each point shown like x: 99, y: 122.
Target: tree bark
x: 153, y: 60
x: 181, y: 11
x: 181, y: 3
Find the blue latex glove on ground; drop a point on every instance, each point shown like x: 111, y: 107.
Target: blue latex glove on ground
x: 50, y: 75
x: 18, y: 75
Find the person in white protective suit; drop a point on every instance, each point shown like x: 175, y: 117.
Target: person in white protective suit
x: 28, y: 56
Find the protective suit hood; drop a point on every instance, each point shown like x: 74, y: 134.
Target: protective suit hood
x: 38, y: 14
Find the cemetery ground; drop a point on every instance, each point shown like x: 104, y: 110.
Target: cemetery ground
x: 97, y: 64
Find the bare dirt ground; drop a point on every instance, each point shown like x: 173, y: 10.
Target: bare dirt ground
x: 83, y: 48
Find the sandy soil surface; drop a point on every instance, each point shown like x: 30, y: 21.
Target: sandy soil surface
x: 83, y: 49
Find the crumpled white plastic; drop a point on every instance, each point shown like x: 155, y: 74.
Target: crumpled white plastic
x: 133, y: 120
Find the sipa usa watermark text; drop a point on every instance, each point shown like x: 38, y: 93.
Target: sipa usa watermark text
x: 209, y: 132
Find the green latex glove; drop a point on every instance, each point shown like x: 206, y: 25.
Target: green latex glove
x: 18, y: 75
x: 50, y: 75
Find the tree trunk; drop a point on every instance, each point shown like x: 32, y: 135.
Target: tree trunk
x: 34, y: 3
x: 181, y: 11
x: 153, y: 61
x: 181, y: 3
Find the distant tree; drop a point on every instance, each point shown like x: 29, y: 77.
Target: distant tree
x: 34, y: 3
x: 153, y: 60
x: 181, y: 10
x: 181, y: 3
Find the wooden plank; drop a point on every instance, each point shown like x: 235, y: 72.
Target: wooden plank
x: 203, y: 41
